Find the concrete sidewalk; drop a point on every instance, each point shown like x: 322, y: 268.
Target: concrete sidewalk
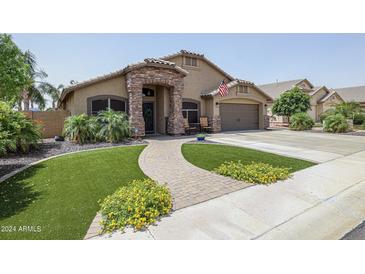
x: 320, y: 202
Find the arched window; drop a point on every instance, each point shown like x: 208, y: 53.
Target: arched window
x: 100, y: 103
x: 190, y: 110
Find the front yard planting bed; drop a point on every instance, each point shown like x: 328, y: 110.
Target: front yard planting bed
x: 58, y: 198
x: 210, y: 156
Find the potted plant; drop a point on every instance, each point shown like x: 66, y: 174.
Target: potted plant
x: 200, y: 137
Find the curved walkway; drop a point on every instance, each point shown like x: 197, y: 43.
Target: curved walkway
x: 163, y: 161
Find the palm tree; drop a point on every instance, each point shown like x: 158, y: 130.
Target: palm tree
x: 52, y: 91
x: 33, y: 94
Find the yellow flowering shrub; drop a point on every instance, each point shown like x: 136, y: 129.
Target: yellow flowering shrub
x: 255, y: 173
x: 139, y: 204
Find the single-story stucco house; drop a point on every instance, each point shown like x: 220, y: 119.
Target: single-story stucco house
x: 321, y: 98
x: 356, y: 94
x: 157, y: 94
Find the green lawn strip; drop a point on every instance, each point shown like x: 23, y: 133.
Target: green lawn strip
x: 61, y: 195
x: 210, y: 156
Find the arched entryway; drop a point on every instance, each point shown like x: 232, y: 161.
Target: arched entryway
x: 157, y: 73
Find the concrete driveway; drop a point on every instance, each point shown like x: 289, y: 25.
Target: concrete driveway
x: 316, y: 147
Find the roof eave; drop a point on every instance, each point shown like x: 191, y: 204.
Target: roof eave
x: 118, y: 73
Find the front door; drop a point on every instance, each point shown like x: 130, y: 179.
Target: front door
x: 148, y: 117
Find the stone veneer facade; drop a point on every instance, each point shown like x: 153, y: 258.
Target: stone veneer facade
x: 216, y: 123
x: 155, y: 75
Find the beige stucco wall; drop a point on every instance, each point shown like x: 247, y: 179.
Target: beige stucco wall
x: 201, y: 78
x: 77, y: 102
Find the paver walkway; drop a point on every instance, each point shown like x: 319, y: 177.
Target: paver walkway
x: 163, y: 161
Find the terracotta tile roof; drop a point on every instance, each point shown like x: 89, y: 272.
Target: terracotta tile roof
x: 348, y: 94
x: 147, y: 61
x: 234, y: 83
x: 191, y: 53
x: 159, y: 61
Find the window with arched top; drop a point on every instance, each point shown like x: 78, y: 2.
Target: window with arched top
x: 99, y: 103
x: 190, y: 111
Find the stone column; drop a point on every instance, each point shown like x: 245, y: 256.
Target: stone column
x: 266, y: 121
x: 216, y: 124
x: 135, y: 106
x: 175, y: 125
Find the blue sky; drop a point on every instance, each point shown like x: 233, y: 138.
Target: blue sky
x: 335, y: 60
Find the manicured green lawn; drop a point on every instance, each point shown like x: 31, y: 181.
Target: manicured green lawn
x: 61, y: 195
x: 209, y: 156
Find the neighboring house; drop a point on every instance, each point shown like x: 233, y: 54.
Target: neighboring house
x: 158, y: 94
x: 321, y: 98
x: 356, y: 94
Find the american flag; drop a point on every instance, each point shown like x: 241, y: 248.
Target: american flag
x: 223, y: 89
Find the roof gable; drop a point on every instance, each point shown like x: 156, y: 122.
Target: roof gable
x: 329, y: 95
x: 198, y: 56
x: 317, y: 89
x: 234, y: 83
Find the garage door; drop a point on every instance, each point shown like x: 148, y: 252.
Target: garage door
x: 239, y: 116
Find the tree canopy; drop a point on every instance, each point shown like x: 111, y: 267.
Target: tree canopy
x: 291, y: 102
x: 14, y: 70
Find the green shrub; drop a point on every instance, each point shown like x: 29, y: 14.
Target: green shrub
x: 17, y: 131
x: 359, y: 118
x: 256, y: 173
x: 114, y: 126
x: 79, y: 129
x: 336, y: 123
x: 301, y: 121
x: 139, y: 204
x: 109, y: 126
x: 291, y: 102
x: 348, y: 109
x: 327, y: 113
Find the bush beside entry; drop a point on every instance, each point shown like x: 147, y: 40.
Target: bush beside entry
x: 110, y: 126
x: 301, y: 121
x: 139, y: 204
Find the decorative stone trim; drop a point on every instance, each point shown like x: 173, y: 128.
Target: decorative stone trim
x: 151, y: 75
x: 175, y: 124
x: 216, y: 124
x: 266, y: 121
